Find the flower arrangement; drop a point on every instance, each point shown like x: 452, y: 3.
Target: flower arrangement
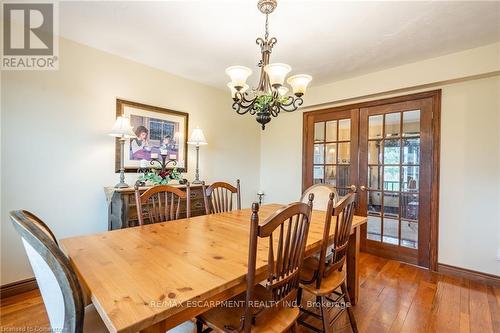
x: 160, y: 177
x: 263, y: 101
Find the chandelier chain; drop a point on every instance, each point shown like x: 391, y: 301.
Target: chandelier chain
x: 267, y: 27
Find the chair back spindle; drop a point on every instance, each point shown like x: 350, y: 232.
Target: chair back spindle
x: 161, y: 203
x: 219, y: 197
x: 286, y: 231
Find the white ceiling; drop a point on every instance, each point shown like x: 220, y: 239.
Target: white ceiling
x: 328, y: 39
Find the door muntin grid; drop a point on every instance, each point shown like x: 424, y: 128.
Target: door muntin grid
x: 332, y: 154
x: 393, y: 178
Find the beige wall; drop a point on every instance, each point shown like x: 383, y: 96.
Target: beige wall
x: 470, y: 151
x: 56, y: 156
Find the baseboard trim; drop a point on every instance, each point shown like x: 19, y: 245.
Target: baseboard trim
x: 487, y: 278
x: 18, y: 287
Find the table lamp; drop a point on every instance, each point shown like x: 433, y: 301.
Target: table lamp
x: 197, y: 138
x: 123, y: 131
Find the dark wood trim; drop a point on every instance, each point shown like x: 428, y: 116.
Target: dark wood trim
x: 435, y: 95
x: 436, y: 158
x: 390, y: 251
x: 490, y: 279
x: 119, y: 111
x: 390, y: 100
x: 18, y: 287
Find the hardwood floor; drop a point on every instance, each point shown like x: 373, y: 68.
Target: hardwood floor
x: 394, y: 297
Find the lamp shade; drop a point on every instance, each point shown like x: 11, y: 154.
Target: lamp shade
x: 277, y: 73
x: 197, y: 137
x: 233, y: 89
x: 238, y: 75
x: 299, y: 83
x: 282, y: 90
x: 122, y: 128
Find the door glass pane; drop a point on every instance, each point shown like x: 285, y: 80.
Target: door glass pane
x: 343, y: 176
x: 391, y: 232
x: 331, y: 175
x: 391, y: 178
x: 344, y: 153
x: 375, y: 127
x: 392, y: 124
x: 411, y: 151
x: 319, y: 153
x: 374, y: 178
x: 374, y: 203
x: 410, y: 178
x: 331, y: 153
x: 375, y: 152
x: 409, y: 234
x: 319, y: 132
x: 409, y: 206
x: 391, y: 205
x: 318, y: 174
x: 411, y: 123
x: 331, y: 130
x: 392, y: 151
x: 344, y: 129
x: 374, y: 228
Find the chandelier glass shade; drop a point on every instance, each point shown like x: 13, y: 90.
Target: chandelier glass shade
x: 271, y: 96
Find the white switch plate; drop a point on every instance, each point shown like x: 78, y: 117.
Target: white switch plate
x: 498, y: 254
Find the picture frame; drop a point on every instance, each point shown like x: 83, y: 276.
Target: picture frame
x: 158, y: 130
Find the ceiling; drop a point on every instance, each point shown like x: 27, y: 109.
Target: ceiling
x: 330, y: 40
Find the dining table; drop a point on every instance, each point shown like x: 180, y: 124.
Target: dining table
x: 153, y: 277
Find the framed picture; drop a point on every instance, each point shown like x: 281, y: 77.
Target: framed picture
x: 158, y: 130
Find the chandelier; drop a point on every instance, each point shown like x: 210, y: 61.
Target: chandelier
x: 271, y: 95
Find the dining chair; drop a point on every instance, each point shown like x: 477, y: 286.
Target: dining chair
x: 218, y: 197
x: 269, y: 306
x: 324, y: 276
x: 161, y: 203
x: 321, y: 195
x: 60, y: 289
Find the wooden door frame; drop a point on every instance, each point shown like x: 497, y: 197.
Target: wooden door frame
x: 435, y: 95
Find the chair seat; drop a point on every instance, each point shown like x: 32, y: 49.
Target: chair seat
x: 92, y: 322
x: 328, y: 284
x: 227, y: 318
x: 186, y: 327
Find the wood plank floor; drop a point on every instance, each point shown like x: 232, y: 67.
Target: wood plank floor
x: 394, y: 297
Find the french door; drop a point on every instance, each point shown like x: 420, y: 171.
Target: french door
x: 387, y: 152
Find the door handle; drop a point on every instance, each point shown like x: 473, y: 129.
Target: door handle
x: 362, y: 188
x: 353, y: 188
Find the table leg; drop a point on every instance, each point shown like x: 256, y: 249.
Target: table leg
x: 352, y: 265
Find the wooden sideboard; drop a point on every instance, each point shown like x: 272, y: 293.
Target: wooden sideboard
x: 122, y: 211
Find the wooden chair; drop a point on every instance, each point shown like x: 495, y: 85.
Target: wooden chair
x: 57, y: 281
x: 290, y: 225
x: 218, y: 197
x: 161, y: 203
x: 321, y: 195
x: 322, y: 277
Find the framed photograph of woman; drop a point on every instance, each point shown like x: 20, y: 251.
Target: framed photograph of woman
x: 158, y: 131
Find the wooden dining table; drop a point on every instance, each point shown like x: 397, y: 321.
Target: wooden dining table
x: 151, y: 278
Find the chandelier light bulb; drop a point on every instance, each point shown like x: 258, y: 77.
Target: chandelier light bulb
x: 277, y: 73
x: 234, y: 90
x: 238, y: 75
x: 299, y: 83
